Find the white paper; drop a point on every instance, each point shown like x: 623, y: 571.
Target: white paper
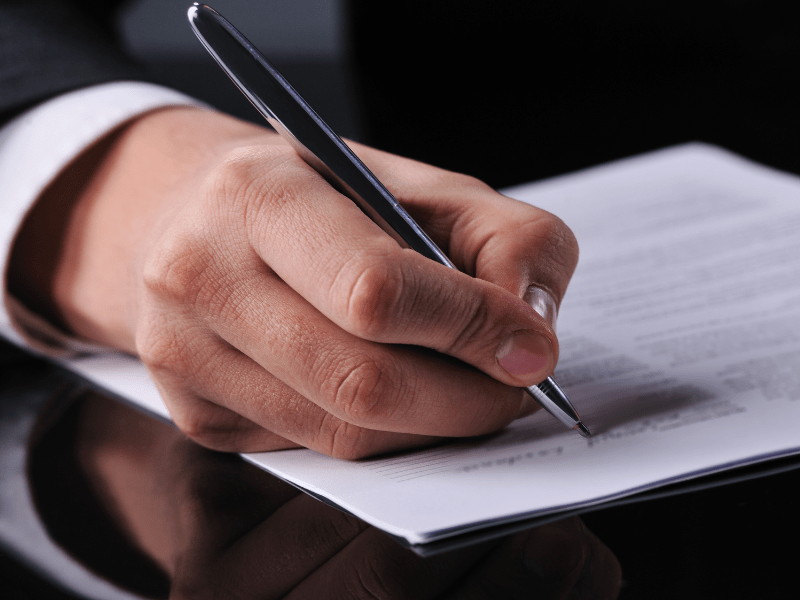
x: 680, y: 348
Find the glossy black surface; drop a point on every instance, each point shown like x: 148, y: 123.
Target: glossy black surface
x: 99, y: 501
x: 517, y: 91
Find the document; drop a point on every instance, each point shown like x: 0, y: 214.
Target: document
x: 680, y: 348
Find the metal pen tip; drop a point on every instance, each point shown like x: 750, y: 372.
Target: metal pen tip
x: 583, y: 430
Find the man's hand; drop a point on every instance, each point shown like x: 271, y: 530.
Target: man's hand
x: 271, y: 312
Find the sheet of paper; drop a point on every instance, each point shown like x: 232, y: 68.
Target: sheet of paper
x: 680, y: 347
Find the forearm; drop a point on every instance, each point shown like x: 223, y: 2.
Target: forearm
x: 51, y: 54
x: 118, y: 194
x: 35, y: 149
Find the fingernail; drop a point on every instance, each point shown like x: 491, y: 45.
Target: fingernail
x: 525, y: 354
x: 543, y: 303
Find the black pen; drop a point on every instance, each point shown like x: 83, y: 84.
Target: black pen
x: 325, y: 152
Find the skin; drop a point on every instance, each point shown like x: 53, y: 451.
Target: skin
x: 270, y: 312
x: 219, y: 527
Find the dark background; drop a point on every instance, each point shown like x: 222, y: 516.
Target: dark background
x: 517, y: 91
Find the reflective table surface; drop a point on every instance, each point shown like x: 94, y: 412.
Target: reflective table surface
x: 100, y: 501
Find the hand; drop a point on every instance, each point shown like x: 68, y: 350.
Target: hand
x: 219, y: 527
x: 272, y: 313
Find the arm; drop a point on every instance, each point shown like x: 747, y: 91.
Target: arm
x: 270, y: 311
x: 35, y: 148
x: 49, y: 48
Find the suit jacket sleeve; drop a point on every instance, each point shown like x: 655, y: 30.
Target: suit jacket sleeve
x: 48, y: 47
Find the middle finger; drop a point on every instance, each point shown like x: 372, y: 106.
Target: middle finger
x: 371, y: 385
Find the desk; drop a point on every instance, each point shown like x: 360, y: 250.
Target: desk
x: 80, y: 472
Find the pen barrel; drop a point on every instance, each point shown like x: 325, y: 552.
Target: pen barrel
x: 316, y: 143
x: 323, y: 150
x: 555, y: 402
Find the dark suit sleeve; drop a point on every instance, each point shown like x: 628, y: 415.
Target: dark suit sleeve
x: 50, y: 46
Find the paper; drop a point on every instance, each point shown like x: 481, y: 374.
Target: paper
x: 680, y: 348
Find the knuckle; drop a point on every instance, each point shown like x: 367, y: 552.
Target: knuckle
x: 257, y: 182
x: 360, y: 389
x: 205, y: 430
x: 194, y: 425
x: 194, y: 282
x: 242, y: 171
x: 176, y: 270
x: 344, y: 440
x: 558, y: 241
x: 372, y: 299
x: 470, y: 183
x: 161, y: 352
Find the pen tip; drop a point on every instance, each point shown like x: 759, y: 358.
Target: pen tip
x: 583, y: 430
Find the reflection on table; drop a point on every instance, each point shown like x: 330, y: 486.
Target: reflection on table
x: 125, y: 506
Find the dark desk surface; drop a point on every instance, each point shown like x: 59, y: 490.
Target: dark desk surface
x: 111, y: 491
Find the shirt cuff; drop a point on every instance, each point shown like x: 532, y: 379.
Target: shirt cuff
x: 34, y: 149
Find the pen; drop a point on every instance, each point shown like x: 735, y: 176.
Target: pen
x: 325, y: 152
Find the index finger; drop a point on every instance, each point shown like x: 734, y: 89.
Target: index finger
x: 357, y: 276
x: 487, y: 235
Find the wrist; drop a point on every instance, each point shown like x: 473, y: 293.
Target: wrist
x: 39, y: 246
x: 77, y: 259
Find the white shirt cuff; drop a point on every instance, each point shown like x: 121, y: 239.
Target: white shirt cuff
x: 34, y: 148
